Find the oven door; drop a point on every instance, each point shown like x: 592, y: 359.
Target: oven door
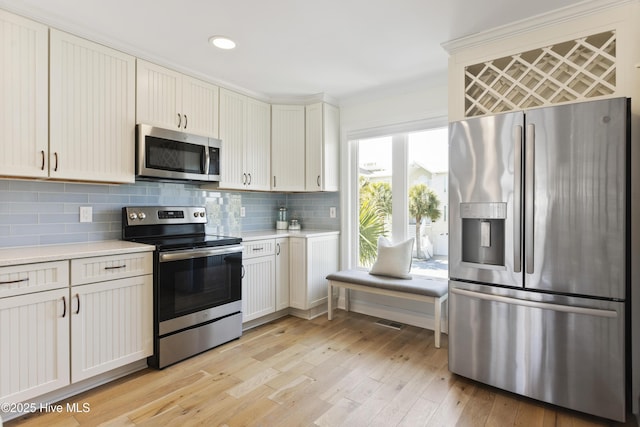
x: 197, y: 285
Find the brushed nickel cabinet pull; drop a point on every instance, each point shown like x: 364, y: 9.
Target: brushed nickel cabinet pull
x: 249, y: 182
x: 318, y: 180
x: 64, y: 307
x: 78, y: 297
x: 186, y: 120
x: 179, y: 119
x: 115, y: 267
x: 55, y: 168
x: 42, y: 166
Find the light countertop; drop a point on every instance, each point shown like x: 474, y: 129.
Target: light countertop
x: 273, y: 234
x: 33, y: 254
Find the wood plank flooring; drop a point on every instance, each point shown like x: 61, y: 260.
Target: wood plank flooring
x: 294, y: 372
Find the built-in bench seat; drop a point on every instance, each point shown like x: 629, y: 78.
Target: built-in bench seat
x: 418, y: 289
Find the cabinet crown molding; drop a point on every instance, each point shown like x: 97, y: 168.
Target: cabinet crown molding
x: 530, y: 24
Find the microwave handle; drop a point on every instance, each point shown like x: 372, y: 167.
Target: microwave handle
x: 206, y: 160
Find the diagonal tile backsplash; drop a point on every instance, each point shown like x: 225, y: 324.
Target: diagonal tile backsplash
x: 42, y: 213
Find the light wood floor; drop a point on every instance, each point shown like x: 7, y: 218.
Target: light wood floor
x: 294, y: 372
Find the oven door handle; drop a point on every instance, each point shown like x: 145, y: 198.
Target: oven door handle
x: 198, y: 253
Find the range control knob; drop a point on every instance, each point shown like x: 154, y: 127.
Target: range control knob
x: 133, y: 216
x: 142, y: 215
x: 195, y: 214
x: 202, y: 214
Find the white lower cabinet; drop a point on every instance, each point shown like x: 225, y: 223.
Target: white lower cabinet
x: 287, y: 272
x: 111, y: 325
x: 111, y: 312
x: 58, y: 328
x: 282, y: 273
x: 34, y: 344
x: 312, y: 259
x: 258, y: 280
x: 258, y: 292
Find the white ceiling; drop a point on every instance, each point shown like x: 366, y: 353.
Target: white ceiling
x: 288, y: 48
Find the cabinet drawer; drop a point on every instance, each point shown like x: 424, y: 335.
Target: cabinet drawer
x: 27, y: 278
x: 99, y: 269
x: 259, y: 248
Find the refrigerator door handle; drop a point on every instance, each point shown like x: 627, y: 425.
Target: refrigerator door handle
x: 536, y: 304
x: 529, y: 197
x: 517, y: 200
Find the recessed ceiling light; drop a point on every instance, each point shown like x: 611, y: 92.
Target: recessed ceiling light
x: 222, y: 42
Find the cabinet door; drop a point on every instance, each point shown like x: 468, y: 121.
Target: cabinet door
x: 298, y: 273
x: 322, y: 136
x: 199, y: 107
x: 313, y: 153
x: 92, y: 111
x: 233, y: 109
x: 34, y: 344
x: 23, y: 97
x: 258, y: 289
x: 257, y: 153
x: 287, y: 148
x: 311, y: 259
x: 330, y: 148
x: 111, y: 325
x: 282, y: 273
x: 322, y: 260
x: 158, y: 96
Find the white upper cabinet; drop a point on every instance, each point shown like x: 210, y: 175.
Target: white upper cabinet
x: 287, y: 148
x: 257, y: 156
x: 322, y: 145
x: 200, y: 107
x: 172, y: 100
x: 233, y: 108
x: 245, y: 131
x: 92, y: 111
x: 24, y: 147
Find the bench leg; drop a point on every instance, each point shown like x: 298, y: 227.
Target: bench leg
x: 437, y: 310
x: 330, y: 301
x: 347, y: 294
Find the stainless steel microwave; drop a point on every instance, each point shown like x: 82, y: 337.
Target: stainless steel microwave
x: 163, y: 154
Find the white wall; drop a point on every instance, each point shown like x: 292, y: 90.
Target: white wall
x: 416, y: 101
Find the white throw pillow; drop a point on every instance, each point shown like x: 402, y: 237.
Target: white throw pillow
x: 393, y: 260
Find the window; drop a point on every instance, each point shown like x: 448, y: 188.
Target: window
x: 402, y: 193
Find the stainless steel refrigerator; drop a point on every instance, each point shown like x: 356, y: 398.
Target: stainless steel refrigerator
x: 540, y: 253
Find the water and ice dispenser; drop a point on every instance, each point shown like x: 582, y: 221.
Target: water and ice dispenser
x: 483, y: 232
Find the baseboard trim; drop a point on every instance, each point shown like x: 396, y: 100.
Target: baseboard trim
x: 77, y: 388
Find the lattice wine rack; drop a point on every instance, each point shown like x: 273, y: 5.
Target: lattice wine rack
x: 569, y: 71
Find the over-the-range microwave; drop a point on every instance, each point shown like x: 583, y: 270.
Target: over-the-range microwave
x: 164, y: 154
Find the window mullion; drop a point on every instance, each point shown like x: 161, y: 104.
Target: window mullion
x: 399, y: 187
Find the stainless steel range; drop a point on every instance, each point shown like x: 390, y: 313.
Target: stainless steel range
x: 197, y: 280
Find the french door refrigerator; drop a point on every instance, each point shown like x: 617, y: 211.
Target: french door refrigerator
x: 539, y: 253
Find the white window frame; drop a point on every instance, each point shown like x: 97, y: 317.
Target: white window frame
x: 349, y: 198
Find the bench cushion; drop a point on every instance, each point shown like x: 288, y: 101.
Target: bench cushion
x: 421, y: 286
